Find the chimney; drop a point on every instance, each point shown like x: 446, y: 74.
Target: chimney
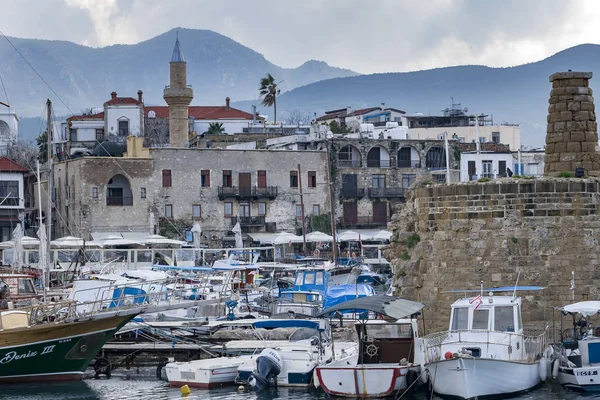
x: 113, y: 95
x: 348, y: 110
x: 227, y: 103
x: 140, y: 96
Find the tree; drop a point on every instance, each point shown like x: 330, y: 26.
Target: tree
x: 42, y: 143
x: 215, y: 128
x: 297, y: 117
x: 334, y: 127
x: 269, y: 92
x: 25, y: 153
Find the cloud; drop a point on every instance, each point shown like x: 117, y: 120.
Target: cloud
x: 373, y: 36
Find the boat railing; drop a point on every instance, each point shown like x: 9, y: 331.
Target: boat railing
x: 527, y: 346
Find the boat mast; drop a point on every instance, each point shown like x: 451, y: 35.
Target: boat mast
x: 447, y: 157
x: 49, y: 186
x: 39, y: 188
x: 302, y: 206
x: 478, y: 148
x: 331, y: 203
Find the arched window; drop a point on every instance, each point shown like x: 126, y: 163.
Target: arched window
x: 118, y: 192
x: 349, y: 157
x: 408, y: 157
x: 378, y: 157
x: 151, y: 114
x: 436, y: 158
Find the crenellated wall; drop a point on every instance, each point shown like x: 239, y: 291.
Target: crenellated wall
x: 473, y: 232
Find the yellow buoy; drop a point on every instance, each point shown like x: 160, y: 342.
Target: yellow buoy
x: 185, y: 390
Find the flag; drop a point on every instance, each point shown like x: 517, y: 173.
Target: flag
x: 476, y: 300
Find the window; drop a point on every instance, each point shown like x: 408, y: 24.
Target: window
x: 378, y: 181
x: 73, y: 135
x: 495, y: 137
x: 319, y: 278
x: 143, y: 193
x: 312, y: 179
x: 228, y: 209
x: 227, y: 178
x: 169, y: 210
x: 100, y: 135
x: 480, y: 319
x: 404, y: 157
x: 196, y: 211
x: 205, y: 178
x: 316, y: 210
x: 244, y: 209
x: 95, y: 192
x: 408, y: 180
x: 298, y: 211
x: 262, y: 179
x: 460, y: 318
x: 504, y: 319
x: 10, y: 190
x: 166, y: 178
x: 309, y: 278
x: 294, y: 179
x: 487, y: 168
x: 123, y: 128
x: 262, y: 209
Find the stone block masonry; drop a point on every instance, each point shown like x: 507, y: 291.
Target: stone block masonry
x: 572, y: 134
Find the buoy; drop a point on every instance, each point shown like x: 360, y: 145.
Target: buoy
x: 543, y: 369
x: 185, y: 390
x: 424, y: 374
x: 448, y: 355
x: 241, y: 388
x: 555, y: 368
x: 316, y: 382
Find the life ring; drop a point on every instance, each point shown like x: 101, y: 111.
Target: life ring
x: 316, y: 253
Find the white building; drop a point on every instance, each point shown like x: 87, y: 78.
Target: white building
x: 529, y: 163
x: 491, y: 161
x: 350, y: 118
x: 9, y: 128
x: 12, y: 196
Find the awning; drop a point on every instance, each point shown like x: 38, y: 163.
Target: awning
x: 585, y: 308
x: 365, y: 234
x: 135, y: 236
x: 381, y: 304
x: 275, y: 238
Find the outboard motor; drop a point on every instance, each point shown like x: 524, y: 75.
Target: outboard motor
x: 268, y: 366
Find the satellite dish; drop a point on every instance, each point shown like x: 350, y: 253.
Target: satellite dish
x: 466, y: 109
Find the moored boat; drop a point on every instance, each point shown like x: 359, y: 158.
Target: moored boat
x: 205, y: 374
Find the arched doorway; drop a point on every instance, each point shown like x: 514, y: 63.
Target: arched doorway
x: 118, y: 192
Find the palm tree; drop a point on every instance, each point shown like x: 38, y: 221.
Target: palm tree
x: 215, y: 128
x: 269, y: 92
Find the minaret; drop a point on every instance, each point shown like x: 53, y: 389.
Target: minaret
x: 178, y: 96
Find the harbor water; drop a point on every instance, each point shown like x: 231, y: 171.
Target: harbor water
x: 123, y: 387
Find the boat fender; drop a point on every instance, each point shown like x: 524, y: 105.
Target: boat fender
x: 316, y: 379
x: 555, y: 368
x: 411, y: 378
x: 424, y: 374
x: 102, y: 366
x: 543, y: 369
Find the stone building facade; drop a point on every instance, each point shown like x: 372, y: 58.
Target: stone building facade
x: 178, y: 187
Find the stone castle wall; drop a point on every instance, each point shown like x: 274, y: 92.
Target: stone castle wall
x: 468, y: 233
x: 572, y: 137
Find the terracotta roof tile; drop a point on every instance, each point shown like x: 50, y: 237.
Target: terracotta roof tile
x: 9, y: 165
x: 87, y: 117
x: 342, y: 113
x: 492, y: 147
x: 122, y: 100
x: 202, y: 112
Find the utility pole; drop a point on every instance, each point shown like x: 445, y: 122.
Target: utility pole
x: 302, y: 206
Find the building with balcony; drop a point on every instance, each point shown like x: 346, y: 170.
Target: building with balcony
x: 489, y: 161
x: 218, y: 188
x: 350, y: 118
x: 13, y: 190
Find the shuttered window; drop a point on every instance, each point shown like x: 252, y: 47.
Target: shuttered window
x: 166, y: 178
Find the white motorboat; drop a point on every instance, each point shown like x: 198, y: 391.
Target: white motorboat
x: 486, y: 351
x: 205, y: 374
x: 578, y: 364
x: 384, y: 364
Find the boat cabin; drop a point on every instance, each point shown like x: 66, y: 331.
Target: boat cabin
x: 21, y: 289
x: 387, y: 342
x: 490, y: 313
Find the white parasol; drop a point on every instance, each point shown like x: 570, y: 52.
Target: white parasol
x: 317, y: 236
x: 237, y: 229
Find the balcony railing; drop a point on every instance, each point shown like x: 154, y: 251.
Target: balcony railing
x: 119, y: 201
x: 409, y: 164
x: 364, y: 222
x: 378, y: 163
x: 349, y: 163
x: 351, y: 194
x: 248, y: 221
x: 247, y: 192
x: 386, y: 192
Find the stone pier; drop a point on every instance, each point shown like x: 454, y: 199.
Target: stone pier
x: 572, y: 136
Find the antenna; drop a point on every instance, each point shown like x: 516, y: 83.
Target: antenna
x: 516, y: 284
x: 481, y: 288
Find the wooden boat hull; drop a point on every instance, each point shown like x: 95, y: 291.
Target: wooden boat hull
x: 54, y: 352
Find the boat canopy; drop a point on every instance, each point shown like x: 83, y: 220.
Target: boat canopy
x: 338, y: 294
x: 286, y: 323
x: 499, y: 289
x: 585, y: 308
x: 381, y: 304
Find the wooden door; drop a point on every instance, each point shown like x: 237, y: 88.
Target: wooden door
x: 380, y: 212
x: 245, y: 183
x: 349, y: 186
x: 350, y: 213
x: 471, y: 170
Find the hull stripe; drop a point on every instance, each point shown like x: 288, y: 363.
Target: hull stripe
x: 60, y: 338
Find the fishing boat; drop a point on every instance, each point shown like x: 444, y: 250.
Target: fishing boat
x: 577, y: 366
x: 384, y: 364
x: 486, y: 351
x: 57, y: 341
x: 209, y: 373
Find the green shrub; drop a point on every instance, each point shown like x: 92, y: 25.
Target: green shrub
x: 405, y: 256
x: 413, y: 240
x: 517, y: 176
x: 484, y: 179
x: 426, y: 183
x: 514, y: 239
x: 565, y: 174
x: 529, y: 177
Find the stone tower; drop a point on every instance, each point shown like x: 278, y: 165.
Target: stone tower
x: 178, y: 96
x: 572, y: 135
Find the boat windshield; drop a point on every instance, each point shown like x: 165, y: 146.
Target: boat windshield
x: 481, y: 319
x: 504, y: 319
x: 460, y: 318
x: 26, y: 286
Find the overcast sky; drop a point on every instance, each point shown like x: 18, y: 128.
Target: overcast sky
x: 363, y: 35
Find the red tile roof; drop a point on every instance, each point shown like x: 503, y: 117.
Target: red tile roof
x: 491, y: 147
x: 342, y: 113
x: 87, y: 117
x: 202, y: 112
x: 8, y: 165
x: 123, y: 100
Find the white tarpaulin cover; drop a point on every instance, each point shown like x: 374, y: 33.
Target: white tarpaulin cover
x: 585, y: 308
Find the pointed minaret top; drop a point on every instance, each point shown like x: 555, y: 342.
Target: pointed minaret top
x: 177, y: 53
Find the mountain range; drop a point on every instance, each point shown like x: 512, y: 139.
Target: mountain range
x: 219, y: 67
